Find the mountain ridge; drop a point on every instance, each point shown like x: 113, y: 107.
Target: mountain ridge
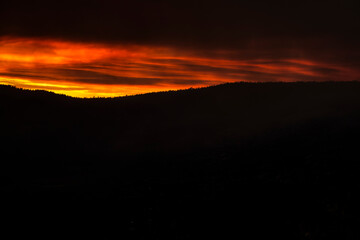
x: 224, y: 160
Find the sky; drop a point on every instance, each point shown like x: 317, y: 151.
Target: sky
x: 116, y: 48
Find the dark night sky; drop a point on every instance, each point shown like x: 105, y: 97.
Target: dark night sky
x: 211, y: 23
x: 313, y: 30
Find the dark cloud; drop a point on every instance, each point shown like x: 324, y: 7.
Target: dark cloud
x: 194, y: 23
x: 247, y: 30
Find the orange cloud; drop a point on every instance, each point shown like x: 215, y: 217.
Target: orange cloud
x: 94, y: 69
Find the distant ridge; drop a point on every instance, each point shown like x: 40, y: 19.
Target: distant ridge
x: 12, y: 90
x: 9, y: 89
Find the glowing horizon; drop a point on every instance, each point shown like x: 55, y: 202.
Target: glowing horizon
x: 107, y: 70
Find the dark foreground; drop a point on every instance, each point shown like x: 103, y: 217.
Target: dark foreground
x: 236, y: 161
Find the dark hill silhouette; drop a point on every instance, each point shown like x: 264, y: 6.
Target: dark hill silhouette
x: 266, y: 160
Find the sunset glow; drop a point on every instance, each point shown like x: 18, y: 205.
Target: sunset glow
x: 107, y: 70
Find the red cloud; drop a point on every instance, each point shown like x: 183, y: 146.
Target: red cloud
x: 89, y: 69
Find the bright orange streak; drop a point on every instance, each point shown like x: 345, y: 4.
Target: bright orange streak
x: 87, y: 70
